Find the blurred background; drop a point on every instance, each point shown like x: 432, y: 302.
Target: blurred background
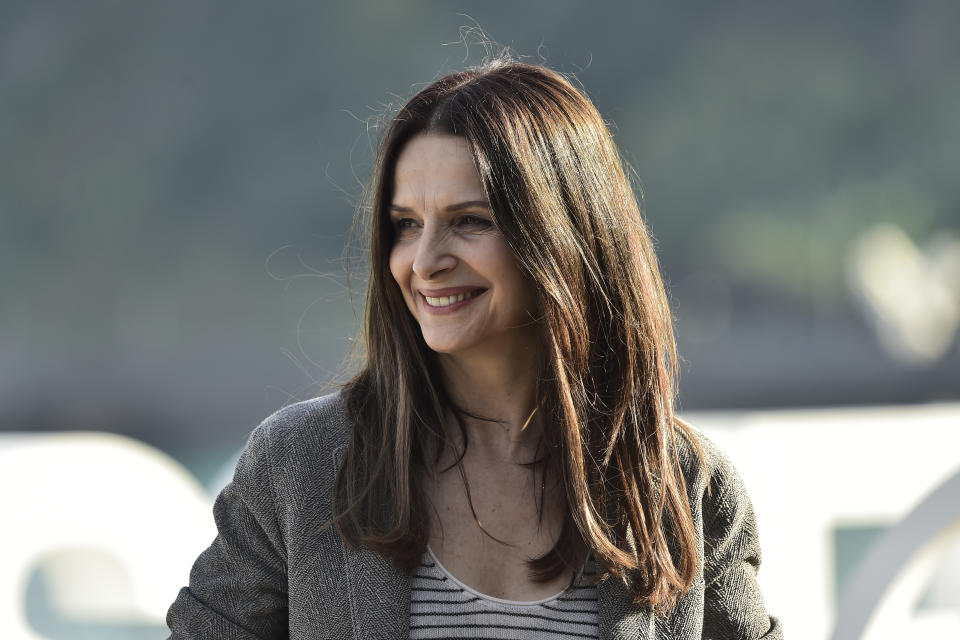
x: 177, y: 185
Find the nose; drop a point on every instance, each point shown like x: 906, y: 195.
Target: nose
x: 433, y: 257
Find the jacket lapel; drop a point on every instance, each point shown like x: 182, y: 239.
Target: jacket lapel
x: 379, y: 596
x: 620, y: 618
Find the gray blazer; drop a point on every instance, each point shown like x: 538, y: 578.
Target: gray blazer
x: 269, y: 575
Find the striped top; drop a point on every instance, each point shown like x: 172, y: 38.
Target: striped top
x: 443, y: 607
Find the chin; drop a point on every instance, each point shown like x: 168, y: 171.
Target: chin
x: 445, y: 347
x: 447, y: 344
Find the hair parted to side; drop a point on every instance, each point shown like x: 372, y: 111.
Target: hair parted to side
x: 606, y: 387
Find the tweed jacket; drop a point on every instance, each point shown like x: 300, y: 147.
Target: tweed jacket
x: 269, y: 575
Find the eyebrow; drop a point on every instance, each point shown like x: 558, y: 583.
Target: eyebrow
x: 469, y: 204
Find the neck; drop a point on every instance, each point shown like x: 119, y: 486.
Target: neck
x: 502, y: 387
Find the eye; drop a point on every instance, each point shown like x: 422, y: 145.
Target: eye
x: 474, y: 221
x: 402, y: 224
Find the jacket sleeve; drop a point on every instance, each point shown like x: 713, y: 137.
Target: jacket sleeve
x: 238, y: 586
x: 733, y: 604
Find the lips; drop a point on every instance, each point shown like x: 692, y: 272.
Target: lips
x: 448, y: 291
x: 446, y: 301
x: 450, y: 297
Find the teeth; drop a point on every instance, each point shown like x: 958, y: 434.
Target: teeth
x: 446, y: 301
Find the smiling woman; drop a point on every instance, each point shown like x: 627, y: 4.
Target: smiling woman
x: 458, y: 276
x: 507, y: 463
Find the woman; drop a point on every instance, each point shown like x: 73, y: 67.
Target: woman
x: 507, y: 463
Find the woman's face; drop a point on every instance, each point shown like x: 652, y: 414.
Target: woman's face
x: 459, y: 278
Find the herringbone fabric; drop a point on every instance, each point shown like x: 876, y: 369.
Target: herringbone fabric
x: 269, y: 575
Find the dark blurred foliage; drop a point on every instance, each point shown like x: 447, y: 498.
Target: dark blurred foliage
x: 177, y: 181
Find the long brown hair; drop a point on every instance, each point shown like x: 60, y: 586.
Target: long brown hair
x: 606, y: 386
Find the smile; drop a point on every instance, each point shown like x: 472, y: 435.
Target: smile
x: 456, y: 300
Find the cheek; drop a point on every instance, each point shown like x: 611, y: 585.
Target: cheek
x: 400, y: 269
x: 397, y: 267
x: 515, y: 283
x: 525, y: 297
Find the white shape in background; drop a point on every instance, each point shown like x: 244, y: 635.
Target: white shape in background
x: 115, y: 522
x: 705, y: 306
x: 943, y: 591
x: 883, y: 600
x: 809, y: 471
x: 912, y: 297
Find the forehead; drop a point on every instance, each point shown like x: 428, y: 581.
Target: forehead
x: 435, y: 168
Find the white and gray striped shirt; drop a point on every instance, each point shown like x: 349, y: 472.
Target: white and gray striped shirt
x: 443, y: 607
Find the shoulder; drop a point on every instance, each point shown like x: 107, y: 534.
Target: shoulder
x: 322, y: 422
x: 719, y: 501
x: 707, y: 469
x: 298, y: 440
x: 289, y: 458
x: 726, y: 523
